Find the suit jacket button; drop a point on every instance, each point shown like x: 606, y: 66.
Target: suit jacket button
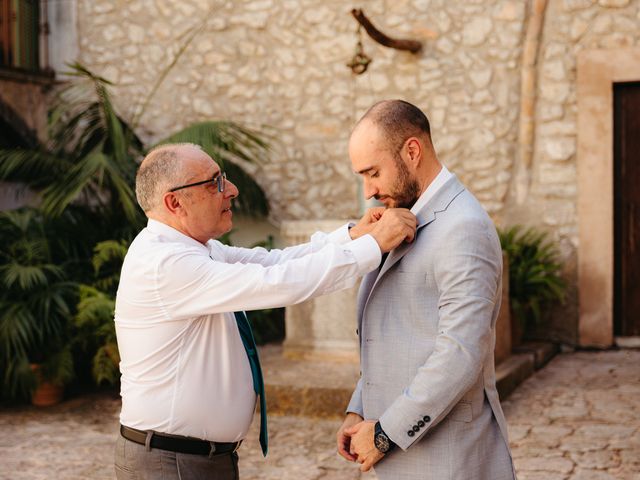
x: 411, y: 433
x: 416, y: 428
x: 420, y: 423
x: 426, y: 419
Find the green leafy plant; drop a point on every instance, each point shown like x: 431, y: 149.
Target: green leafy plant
x: 535, y: 280
x: 95, y: 329
x: 92, y: 156
x: 36, y: 300
x: 84, y: 176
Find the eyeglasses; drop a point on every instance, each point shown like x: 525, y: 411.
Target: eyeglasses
x: 220, y: 181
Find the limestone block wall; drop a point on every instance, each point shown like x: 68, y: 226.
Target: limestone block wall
x: 570, y: 26
x: 281, y: 63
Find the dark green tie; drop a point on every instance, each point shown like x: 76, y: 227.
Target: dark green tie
x: 256, y: 372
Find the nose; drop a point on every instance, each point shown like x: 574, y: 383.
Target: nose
x: 368, y: 189
x: 230, y: 190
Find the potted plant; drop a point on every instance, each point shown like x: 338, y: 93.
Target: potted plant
x: 84, y: 176
x: 36, y: 301
x: 535, y: 280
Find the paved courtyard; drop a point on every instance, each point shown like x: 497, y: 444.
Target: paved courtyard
x: 578, y: 419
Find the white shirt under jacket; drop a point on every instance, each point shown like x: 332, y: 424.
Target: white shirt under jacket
x: 184, y: 368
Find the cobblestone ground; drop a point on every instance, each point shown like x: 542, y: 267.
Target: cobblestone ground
x: 576, y: 419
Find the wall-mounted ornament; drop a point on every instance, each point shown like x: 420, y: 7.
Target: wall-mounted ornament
x: 360, y: 61
x: 413, y: 46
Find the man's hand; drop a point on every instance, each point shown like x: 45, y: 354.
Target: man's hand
x: 366, y: 223
x: 394, y: 227
x: 362, y: 444
x: 344, y: 440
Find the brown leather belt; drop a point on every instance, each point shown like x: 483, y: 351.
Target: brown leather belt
x: 175, y: 443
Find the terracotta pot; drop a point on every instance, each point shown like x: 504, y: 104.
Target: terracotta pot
x: 47, y: 393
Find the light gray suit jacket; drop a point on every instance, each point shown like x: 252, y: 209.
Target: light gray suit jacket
x: 426, y: 322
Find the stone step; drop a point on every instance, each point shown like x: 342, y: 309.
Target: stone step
x: 321, y: 387
x: 542, y: 352
x: 311, y: 387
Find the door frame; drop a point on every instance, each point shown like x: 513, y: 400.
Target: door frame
x: 597, y: 71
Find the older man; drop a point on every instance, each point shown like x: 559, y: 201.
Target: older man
x: 190, y: 371
x: 426, y: 319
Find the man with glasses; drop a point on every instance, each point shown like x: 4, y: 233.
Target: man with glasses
x: 190, y: 371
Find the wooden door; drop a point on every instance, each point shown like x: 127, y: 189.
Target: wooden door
x: 626, y: 188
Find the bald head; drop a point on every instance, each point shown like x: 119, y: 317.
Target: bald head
x: 162, y: 169
x: 396, y: 121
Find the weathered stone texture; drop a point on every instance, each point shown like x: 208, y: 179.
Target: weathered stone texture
x: 282, y: 64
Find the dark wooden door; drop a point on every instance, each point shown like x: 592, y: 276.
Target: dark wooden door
x: 626, y: 189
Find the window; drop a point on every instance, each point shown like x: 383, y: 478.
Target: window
x: 19, y: 34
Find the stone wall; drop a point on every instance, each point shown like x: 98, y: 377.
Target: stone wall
x: 282, y: 63
x: 570, y: 26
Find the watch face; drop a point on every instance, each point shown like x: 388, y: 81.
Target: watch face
x: 382, y: 442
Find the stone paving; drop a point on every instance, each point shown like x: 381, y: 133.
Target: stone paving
x: 576, y: 419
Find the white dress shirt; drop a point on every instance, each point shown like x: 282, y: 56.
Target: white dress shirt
x: 184, y: 367
x: 432, y: 189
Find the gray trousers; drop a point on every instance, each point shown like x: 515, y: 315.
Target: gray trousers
x: 134, y: 462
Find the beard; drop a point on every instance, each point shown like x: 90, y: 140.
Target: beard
x: 406, y: 190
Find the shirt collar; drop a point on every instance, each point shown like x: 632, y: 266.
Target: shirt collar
x: 162, y: 229
x: 432, y: 189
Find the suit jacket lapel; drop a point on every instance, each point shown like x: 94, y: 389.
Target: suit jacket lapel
x: 427, y: 214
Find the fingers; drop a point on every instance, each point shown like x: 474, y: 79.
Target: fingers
x: 411, y: 234
x: 344, y: 446
x: 351, y: 431
x: 376, y: 213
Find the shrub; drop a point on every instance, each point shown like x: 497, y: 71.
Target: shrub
x: 535, y: 280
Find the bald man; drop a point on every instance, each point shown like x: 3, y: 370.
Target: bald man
x: 190, y: 372
x: 426, y: 405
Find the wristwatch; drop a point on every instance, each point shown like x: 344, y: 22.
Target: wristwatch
x: 381, y: 441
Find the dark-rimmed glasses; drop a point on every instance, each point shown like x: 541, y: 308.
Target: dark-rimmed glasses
x: 220, y: 180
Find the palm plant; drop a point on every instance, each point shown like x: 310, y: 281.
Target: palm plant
x: 94, y: 319
x: 36, y: 300
x: 84, y: 174
x: 535, y: 278
x: 92, y: 155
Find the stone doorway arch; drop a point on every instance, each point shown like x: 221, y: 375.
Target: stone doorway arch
x: 597, y: 71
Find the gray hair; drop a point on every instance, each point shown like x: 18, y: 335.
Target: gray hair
x: 160, y: 171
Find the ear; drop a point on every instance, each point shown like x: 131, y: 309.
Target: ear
x: 172, y: 203
x: 414, y: 150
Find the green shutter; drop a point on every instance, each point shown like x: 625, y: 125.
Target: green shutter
x: 25, y: 34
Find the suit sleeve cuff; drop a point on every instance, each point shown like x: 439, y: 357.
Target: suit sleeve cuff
x: 402, y: 432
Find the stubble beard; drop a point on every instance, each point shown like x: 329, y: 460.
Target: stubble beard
x: 406, y: 190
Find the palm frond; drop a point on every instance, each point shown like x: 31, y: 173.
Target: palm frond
x: 109, y: 251
x: 58, y: 367
x: 105, y: 364
x: 95, y: 308
x: 19, y: 330
x: 535, y: 275
x: 36, y: 168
